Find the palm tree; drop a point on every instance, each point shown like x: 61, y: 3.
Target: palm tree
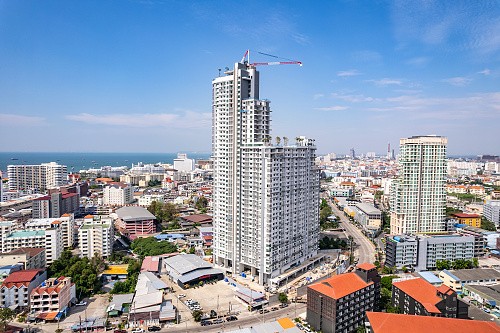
x: 278, y: 140
x: 285, y: 141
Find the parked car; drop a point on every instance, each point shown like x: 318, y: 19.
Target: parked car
x: 206, y: 323
x: 232, y: 318
x: 137, y: 330
x: 82, y: 303
x: 154, y: 328
x: 218, y: 321
x: 120, y: 331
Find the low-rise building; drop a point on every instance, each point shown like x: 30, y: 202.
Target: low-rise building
x: 369, y: 217
x: 51, y: 299
x: 382, y: 322
x: 146, y: 200
x: 473, y: 220
x: 419, y: 297
x: 483, y: 239
x: 17, y: 287
x: 96, y: 235
x: 476, y: 276
x: 55, y: 205
x: 117, y: 194
x: 485, y: 295
x: 188, y: 269
x: 28, y: 257
x: 133, y: 222
x: 339, y: 303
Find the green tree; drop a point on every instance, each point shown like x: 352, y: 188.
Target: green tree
x: 443, y: 264
x: 201, y: 203
x: 283, y: 298
x: 487, y: 225
x: 197, y: 315
x: 151, y: 247
x: 6, y: 316
x: 386, y: 281
x: 361, y: 329
x: 164, y: 212
x: 323, y: 204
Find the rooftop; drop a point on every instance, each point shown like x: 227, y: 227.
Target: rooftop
x: 421, y: 291
x: 31, y: 251
x: 476, y: 274
x: 186, y: 263
x: 21, y: 277
x: 116, y: 270
x: 339, y: 286
x: 27, y: 233
x: 197, y: 218
x: 382, y: 322
x: 134, y: 213
x: 466, y: 216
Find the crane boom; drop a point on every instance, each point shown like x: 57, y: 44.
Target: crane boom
x: 246, y: 60
x: 277, y: 63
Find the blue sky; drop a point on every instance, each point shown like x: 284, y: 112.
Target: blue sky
x: 131, y: 76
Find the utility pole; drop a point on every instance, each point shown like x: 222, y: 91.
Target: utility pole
x: 80, y: 323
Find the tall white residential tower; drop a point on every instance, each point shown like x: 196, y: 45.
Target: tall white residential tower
x: 418, y: 195
x: 37, y: 177
x: 266, y: 197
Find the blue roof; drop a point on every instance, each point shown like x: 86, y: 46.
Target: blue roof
x: 450, y: 274
x: 430, y: 277
x: 169, y: 236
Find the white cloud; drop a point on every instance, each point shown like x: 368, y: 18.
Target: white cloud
x: 351, y: 72
x: 386, y: 82
x: 188, y: 120
x: 458, y: 81
x: 7, y: 119
x: 318, y: 96
x: 485, y: 71
x: 352, y: 98
x: 333, y: 108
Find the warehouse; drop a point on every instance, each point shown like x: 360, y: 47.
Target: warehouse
x: 188, y: 269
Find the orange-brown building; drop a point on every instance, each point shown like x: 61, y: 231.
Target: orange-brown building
x: 469, y: 219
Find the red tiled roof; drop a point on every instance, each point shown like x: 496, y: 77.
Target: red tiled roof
x: 382, y: 322
x: 421, y: 291
x: 32, y: 251
x: 19, y: 278
x: 197, y: 218
x: 366, y: 266
x: 43, y: 198
x: 341, y: 285
x: 466, y: 216
x: 444, y: 289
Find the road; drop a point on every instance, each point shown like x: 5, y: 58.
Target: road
x: 364, y: 250
x: 291, y: 312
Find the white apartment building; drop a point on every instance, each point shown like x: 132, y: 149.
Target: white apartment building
x: 36, y: 177
x: 117, y: 194
x: 96, y: 235
x: 418, y: 196
x: 265, y: 197
x: 147, y: 199
x: 183, y: 163
x: 491, y: 211
x: 66, y: 223
x: 50, y: 239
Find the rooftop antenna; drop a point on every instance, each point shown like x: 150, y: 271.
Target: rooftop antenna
x: 219, y: 72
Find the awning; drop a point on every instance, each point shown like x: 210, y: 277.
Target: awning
x: 113, y: 313
x: 47, y: 315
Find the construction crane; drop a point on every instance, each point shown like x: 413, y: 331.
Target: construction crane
x: 246, y: 60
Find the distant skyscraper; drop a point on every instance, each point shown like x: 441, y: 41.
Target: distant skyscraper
x: 265, y: 197
x: 389, y: 151
x: 418, y: 196
x: 352, y: 153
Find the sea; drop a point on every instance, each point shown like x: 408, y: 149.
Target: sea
x: 80, y: 161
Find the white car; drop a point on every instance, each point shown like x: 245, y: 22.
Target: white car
x: 138, y: 330
x: 82, y: 303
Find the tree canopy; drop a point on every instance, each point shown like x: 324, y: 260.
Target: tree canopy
x: 164, y: 211
x: 151, y: 247
x: 6, y: 316
x: 128, y: 286
x: 83, y: 271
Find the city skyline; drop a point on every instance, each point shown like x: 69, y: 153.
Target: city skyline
x: 100, y: 77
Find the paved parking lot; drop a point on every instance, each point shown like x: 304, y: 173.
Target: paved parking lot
x: 95, y: 308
